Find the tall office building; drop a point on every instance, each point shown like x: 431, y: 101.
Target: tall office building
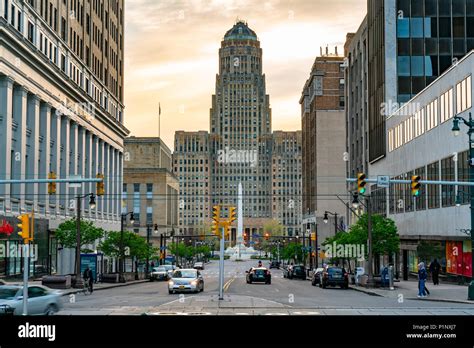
x: 191, y: 161
x: 240, y: 121
x: 286, y: 181
x: 410, y: 44
x: 61, y: 110
x: 324, y: 141
x: 240, y: 148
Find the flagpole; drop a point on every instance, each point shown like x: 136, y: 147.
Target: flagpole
x: 159, y: 120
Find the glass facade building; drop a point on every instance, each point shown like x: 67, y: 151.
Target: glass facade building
x: 431, y: 35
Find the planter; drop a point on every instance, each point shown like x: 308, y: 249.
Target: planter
x: 57, y: 281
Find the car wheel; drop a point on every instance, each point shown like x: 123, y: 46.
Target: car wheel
x: 269, y: 282
x: 313, y: 283
x: 51, y: 310
x: 250, y: 281
x: 202, y: 289
x: 324, y: 286
x: 170, y: 292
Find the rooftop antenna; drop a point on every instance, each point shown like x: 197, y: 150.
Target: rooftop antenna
x: 321, y: 51
x: 327, y: 50
x: 336, y: 51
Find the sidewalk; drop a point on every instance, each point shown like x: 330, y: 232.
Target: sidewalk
x: 409, y: 290
x: 97, y: 286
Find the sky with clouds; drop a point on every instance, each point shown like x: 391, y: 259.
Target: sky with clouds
x: 171, y: 55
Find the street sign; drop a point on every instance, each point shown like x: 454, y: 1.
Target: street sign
x: 383, y: 181
x: 75, y: 184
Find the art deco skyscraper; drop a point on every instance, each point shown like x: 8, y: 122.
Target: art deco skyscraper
x: 240, y: 122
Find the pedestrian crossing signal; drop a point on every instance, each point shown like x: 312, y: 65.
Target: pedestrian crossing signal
x: 100, y: 185
x: 52, y: 185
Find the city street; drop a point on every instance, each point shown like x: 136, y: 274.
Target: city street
x: 282, y: 297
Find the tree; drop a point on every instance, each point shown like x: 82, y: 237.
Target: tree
x: 293, y: 251
x: 427, y: 250
x: 136, y: 244
x: 273, y: 227
x: 66, y: 234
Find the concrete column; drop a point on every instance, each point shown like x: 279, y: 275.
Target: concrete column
x: 2, y: 8
x: 20, y: 95
x: 64, y: 164
x: 88, y: 163
x: 32, y: 150
x: 45, y: 152
x: 113, y: 181
x: 100, y: 169
x: 55, y: 156
x: 107, y: 173
x: 6, y: 120
x: 81, y: 156
x: 94, y: 166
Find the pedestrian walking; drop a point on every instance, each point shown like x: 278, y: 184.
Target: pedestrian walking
x: 88, y: 278
x: 435, y: 267
x: 421, y: 279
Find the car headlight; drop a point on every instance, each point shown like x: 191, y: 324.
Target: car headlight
x: 171, y: 283
x: 194, y: 282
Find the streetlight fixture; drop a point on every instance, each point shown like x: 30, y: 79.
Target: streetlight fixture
x: 470, y: 124
x: 326, y: 219
x: 79, y: 282
x: 121, y: 258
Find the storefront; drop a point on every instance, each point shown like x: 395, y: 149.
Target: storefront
x: 459, y: 258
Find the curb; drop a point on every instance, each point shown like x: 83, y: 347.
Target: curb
x: 368, y: 292
x: 75, y: 291
x: 442, y: 300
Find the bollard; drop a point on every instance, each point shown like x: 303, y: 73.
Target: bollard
x: 390, y: 277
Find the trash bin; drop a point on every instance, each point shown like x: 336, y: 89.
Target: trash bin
x: 385, y: 277
x: 359, y: 271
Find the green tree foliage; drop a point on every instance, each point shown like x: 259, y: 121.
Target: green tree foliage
x: 292, y: 251
x: 137, y: 245
x: 273, y: 227
x: 385, y: 239
x: 66, y: 234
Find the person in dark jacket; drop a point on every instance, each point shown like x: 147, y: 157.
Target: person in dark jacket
x: 435, y: 267
x: 422, y: 275
x: 88, y: 278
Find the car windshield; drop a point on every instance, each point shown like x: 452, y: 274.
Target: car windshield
x: 298, y: 268
x: 335, y: 270
x: 259, y: 271
x: 159, y: 269
x: 8, y: 293
x: 168, y: 267
x: 184, y: 274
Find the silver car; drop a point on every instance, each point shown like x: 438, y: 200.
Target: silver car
x: 41, y: 300
x: 159, y: 273
x: 186, y: 280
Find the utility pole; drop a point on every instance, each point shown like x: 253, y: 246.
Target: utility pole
x: 221, y: 265
x: 370, y: 280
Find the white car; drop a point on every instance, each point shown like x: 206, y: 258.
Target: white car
x: 186, y: 280
x: 41, y: 300
x: 199, y: 265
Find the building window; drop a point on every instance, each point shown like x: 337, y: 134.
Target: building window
x: 149, y: 215
x: 433, y: 190
x: 463, y: 175
x: 447, y: 174
x: 463, y: 95
x: 149, y: 191
x: 432, y: 115
x: 136, y: 202
x: 446, y: 106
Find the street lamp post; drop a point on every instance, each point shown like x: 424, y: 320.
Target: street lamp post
x: 121, y: 258
x: 470, y: 124
x: 368, y: 206
x: 79, y: 282
x: 325, y: 219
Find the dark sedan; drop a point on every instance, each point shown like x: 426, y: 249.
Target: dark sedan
x: 316, y: 277
x: 295, y: 272
x: 274, y: 264
x: 334, y: 276
x: 259, y: 274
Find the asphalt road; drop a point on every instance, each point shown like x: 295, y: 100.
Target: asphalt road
x: 283, y: 296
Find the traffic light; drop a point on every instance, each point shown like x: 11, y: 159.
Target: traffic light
x: 415, y: 185
x: 24, y: 227
x: 52, y: 185
x: 216, y: 213
x: 267, y: 235
x: 226, y: 230
x: 232, y: 215
x: 361, y: 182
x: 100, y: 185
x: 313, y: 236
x: 215, y: 228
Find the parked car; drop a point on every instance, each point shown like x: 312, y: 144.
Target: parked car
x: 170, y: 269
x: 334, y: 276
x: 316, y: 277
x: 199, y: 265
x: 295, y: 272
x: 275, y: 264
x: 186, y: 280
x: 159, y: 273
x: 258, y: 274
x: 41, y: 300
